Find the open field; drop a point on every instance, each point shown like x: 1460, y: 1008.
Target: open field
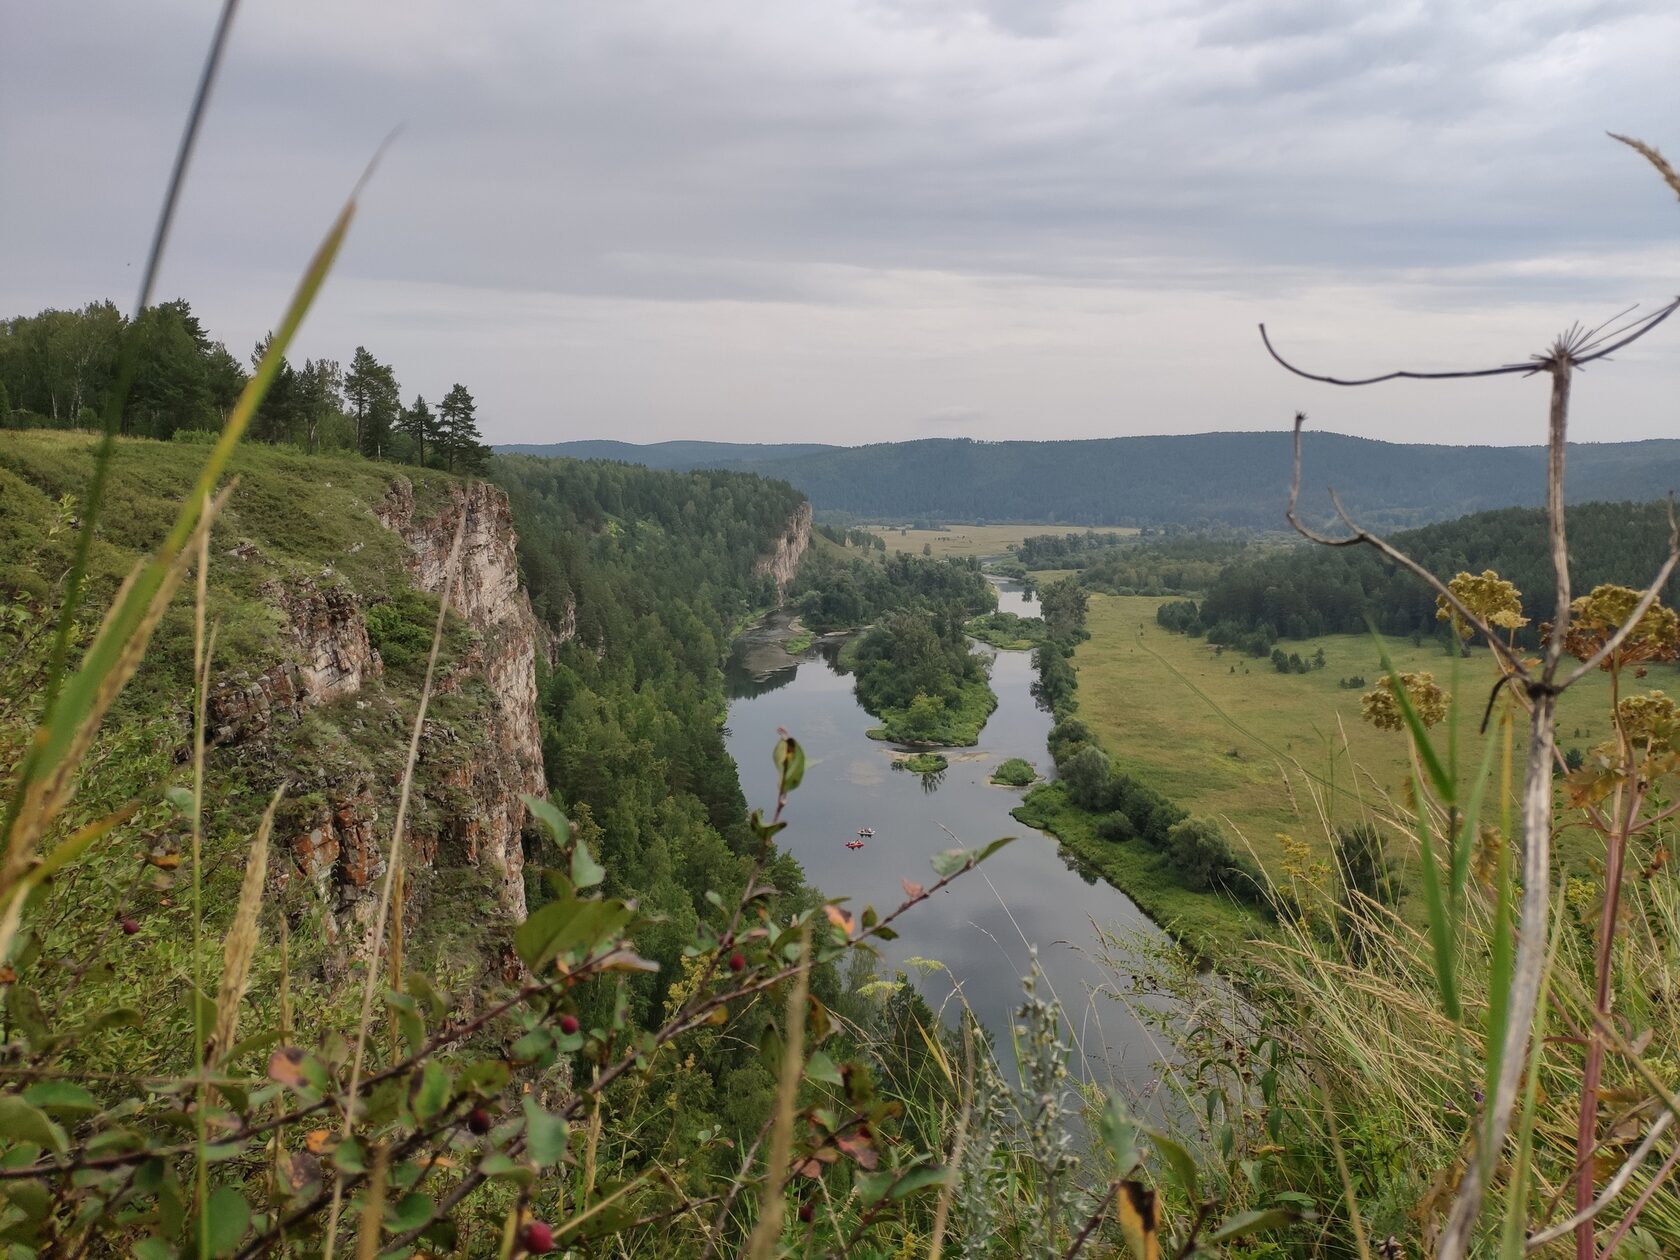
x: 971, y: 540
x: 1227, y: 736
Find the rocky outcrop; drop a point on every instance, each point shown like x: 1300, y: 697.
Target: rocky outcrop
x: 331, y: 656
x: 507, y: 763
x: 783, y: 561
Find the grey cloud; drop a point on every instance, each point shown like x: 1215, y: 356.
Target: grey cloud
x: 826, y: 158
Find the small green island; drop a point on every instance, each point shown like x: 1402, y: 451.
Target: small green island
x: 799, y: 642
x: 1015, y: 772
x: 1007, y: 631
x: 916, y: 673
x: 923, y: 763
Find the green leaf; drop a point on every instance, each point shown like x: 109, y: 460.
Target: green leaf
x: 433, y: 1093
x: 550, y: 817
x: 790, y: 762
x: 821, y: 1068
x: 1246, y: 1223
x: 950, y: 861
x: 349, y: 1157
x: 586, y: 871
x: 918, y: 1179
x: 226, y: 1216
x: 20, y: 1122
x: 1178, y: 1160
x: 563, y: 926
x: 505, y: 1167
x: 1120, y: 1133
x: 411, y: 1212
x: 61, y: 1097
x: 1442, y: 950
x: 545, y: 1135
x: 153, y: 1248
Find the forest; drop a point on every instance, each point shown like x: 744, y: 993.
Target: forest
x: 843, y: 588
x: 1200, y: 479
x: 1301, y: 592
x: 65, y: 369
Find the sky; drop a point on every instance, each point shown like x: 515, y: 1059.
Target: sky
x: 874, y: 220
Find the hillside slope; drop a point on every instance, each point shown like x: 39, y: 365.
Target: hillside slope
x: 322, y: 588
x: 1227, y: 478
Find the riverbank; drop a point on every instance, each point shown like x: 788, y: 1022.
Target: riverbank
x: 1210, y: 927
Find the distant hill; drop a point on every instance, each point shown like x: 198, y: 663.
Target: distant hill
x: 1201, y: 478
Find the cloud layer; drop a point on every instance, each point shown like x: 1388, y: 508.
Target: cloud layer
x: 750, y: 219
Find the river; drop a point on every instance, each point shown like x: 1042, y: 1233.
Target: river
x: 979, y: 928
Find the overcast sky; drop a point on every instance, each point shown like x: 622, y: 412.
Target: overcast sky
x: 766, y: 220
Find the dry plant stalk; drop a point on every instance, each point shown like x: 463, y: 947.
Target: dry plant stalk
x: 241, y: 943
x: 1540, y: 691
x: 772, y: 1203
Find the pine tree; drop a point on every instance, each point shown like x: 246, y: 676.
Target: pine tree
x: 278, y: 410
x: 421, y: 427
x: 458, y: 435
x: 370, y: 388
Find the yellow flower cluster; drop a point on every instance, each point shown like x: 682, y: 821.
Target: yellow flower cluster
x: 1595, y: 617
x: 1649, y: 719
x: 1493, y: 599
x: 1381, y: 709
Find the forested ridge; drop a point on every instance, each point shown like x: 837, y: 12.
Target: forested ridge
x: 1197, y: 479
x: 1305, y: 591
x: 646, y: 575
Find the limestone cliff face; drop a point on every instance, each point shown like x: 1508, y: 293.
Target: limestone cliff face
x: 489, y: 597
x: 326, y: 712
x: 783, y: 561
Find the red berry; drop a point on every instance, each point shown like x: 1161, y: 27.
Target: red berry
x: 737, y: 961
x: 568, y: 1024
x: 130, y: 927
x: 806, y: 1212
x: 538, y: 1238
x: 480, y: 1121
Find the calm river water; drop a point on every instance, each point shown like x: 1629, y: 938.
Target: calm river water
x: 980, y: 927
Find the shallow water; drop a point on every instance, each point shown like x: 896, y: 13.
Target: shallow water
x: 980, y: 928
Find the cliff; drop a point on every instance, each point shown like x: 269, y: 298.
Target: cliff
x: 326, y: 689
x: 783, y: 560
x: 503, y: 655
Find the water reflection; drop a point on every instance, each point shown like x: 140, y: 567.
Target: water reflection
x: 981, y: 927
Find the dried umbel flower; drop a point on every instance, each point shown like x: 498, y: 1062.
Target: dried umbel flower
x: 1651, y: 719
x: 1381, y: 709
x: 1493, y: 599
x: 1594, y: 618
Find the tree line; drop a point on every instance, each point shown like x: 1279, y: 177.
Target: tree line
x: 1302, y: 592
x: 60, y: 369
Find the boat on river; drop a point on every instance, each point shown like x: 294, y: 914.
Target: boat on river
x: 854, y: 844
x: 866, y: 832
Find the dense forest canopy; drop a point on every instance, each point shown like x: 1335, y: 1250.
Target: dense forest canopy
x: 1305, y: 591
x: 844, y: 588
x: 61, y: 369
x: 1196, y: 479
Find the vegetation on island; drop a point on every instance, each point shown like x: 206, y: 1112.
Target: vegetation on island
x: 799, y: 642
x: 1006, y: 631
x: 841, y: 589
x: 923, y: 763
x: 1014, y: 772
x: 916, y: 673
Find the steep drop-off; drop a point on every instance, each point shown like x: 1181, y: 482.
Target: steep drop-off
x: 323, y: 585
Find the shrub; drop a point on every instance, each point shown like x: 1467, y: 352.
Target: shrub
x: 1116, y: 828
x: 1015, y: 772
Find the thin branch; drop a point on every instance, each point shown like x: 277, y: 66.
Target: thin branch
x: 1091, y: 1222
x: 1508, y: 660
x: 1612, y: 1188
x: 1537, y: 363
